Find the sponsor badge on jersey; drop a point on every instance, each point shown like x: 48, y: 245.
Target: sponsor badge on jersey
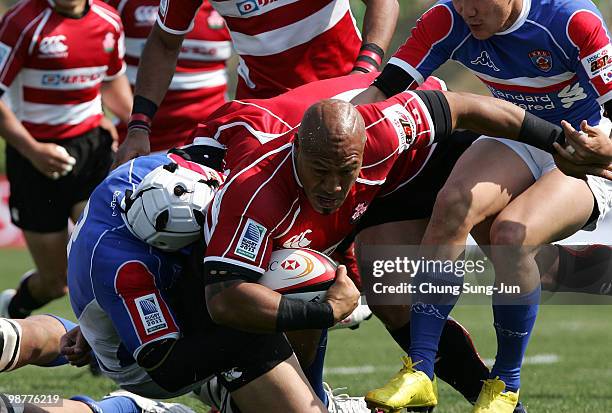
x: 403, y: 123
x: 542, y: 59
x: 606, y: 75
x: 150, y: 313
x: 598, y: 62
x: 5, y: 52
x: 250, y: 240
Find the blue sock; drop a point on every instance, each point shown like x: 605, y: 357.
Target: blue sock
x: 514, y: 319
x: 314, y: 372
x: 68, y: 325
x: 428, y: 316
x: 91, y: 403
x: 119, y: 404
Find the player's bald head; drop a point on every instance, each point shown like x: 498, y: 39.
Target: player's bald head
x: 332, y: 128
x: 329, y: 153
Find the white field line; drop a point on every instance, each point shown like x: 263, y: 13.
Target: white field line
x: 370, y: 368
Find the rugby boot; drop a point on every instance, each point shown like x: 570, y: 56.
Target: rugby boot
x: 493, y: 398
x: 409, y: 388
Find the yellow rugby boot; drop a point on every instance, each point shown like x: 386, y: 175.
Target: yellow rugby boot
x: 493, y: 398
x: 409, y: 388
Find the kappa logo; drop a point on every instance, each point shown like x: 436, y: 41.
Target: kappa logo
x: 571, y: 94
x: 485, y: 60
x: 163, y: 7
x: 542, y: 59
x: 53, y: 46
x: 298, y: 241
x: 150, y: 313
x: 145, y: 15
x: 251, y: 239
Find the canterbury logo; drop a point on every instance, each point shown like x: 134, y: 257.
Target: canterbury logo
x: 298, y: 241
x: 53, y: 45
x: 485, y: 60
x: 145, y: 14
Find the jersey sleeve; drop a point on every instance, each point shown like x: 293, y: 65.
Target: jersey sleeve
x: 588, y: 32
x: 132, y: 298
x: 436, y: 34
x: 13, y: 49
x: 177, y: 16
x: 116, y: 66
x: 238, y: 246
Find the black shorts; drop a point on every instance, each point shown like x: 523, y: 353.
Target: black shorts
x: 41, y: 204
x: 416, y: 199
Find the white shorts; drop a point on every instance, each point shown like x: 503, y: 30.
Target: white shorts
x: 540, y: 163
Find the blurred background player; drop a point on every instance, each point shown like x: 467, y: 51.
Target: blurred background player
x: 280, y: 46
x: 60, y: 61
x: 199, y: 84
x: 551, y: 59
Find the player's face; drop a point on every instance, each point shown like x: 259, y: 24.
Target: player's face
x: 70, y: 7
x: 487, y: 17
x: 327, y: 180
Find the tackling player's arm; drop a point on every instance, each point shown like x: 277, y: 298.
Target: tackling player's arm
x: 378, y: 27
x: 488, y: 116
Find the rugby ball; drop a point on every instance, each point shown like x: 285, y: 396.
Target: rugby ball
x: 301, y: 273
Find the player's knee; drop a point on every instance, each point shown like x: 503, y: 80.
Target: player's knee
x: 453, y: 208
x: 506, y: 232
x: 154, y: 359
x: 10, y: 341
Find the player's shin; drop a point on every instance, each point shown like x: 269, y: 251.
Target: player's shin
x: 514, y: 318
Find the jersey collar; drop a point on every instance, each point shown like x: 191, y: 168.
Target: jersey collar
x: 520, y: 20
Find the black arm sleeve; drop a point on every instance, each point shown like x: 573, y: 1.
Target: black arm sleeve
x: 393, y: 80
x: 439, y: 110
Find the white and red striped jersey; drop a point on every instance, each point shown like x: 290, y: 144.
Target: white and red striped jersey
x: 199, y: 84
x: 262, y: 206
x: 54, y: 65
x: 282, y: 44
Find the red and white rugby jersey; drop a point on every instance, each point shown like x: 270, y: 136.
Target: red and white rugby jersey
x: 55, y: 65
x: 199, y: 84
x: 282, y: 44
x: 262, y: 205
x: 242, y: 126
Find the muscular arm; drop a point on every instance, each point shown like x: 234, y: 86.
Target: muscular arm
x: 243, y: 305
x: 117, y: 97
x: 379, y: 22
x: 485, y: 115
x: 157, y: 64
x: 44, y: 156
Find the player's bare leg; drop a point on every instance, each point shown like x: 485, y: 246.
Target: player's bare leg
x: 282, y: 389
x: 479, y: 187
x: 527, y: 222
x: 39, y: 342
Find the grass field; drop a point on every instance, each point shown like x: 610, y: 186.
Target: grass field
x: 568, y: 368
